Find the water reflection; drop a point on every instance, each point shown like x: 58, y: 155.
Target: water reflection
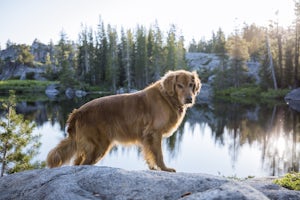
x: 275, y: 129
x: 219, y: 137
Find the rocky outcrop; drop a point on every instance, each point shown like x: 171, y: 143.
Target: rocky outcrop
x: 207, y: 63
x: 21, y: 72
x: 12, y: 68
x: 210, y: 62
x: 293, y: 99
x: 92, y: 182
x: 52, y: 90
x: 40, y: 51
x: 203, y: 60
x: 294, y: 95
x: 206, y: 93
x: 71, y: 93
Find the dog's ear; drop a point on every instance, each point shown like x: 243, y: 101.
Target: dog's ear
x: 168, y: 83
x: 197, y: 87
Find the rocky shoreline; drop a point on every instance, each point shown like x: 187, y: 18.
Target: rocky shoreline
x: 93, y: 182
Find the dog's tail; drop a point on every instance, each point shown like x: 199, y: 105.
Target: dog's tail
x: 65, y: 150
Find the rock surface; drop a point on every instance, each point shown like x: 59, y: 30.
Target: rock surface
x: 206, y: 93
x: 293, y: 95
x: 92, y: 182
x: 293, y: 99
x: 21, y: 71
x: 52, y: 90
x: 203, y: 60
x: 205, y: 63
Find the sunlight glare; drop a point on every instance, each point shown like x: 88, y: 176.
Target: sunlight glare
x: 280, y: 145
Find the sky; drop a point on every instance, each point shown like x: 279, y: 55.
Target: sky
x: 21, y: 21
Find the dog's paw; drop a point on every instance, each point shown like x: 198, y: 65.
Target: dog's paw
x: 169, y: 169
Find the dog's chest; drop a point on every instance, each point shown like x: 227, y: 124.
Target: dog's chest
x: 172, y: 123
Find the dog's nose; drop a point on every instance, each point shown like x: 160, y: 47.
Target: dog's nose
x: 188, y: 100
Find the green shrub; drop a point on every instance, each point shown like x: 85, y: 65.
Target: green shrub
x: 250, y: 91
x: 246, y: 92
x: 290, y: 181
x: 275, y: 94
x: 24, y: 86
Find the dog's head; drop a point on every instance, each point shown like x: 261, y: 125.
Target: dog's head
x: 183, y: 85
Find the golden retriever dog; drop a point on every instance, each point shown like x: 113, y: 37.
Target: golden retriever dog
x: 141, y: 118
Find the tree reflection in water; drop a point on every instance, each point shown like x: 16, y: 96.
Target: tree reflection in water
x: 274, y: 130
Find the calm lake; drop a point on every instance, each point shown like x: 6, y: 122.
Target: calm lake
x: 226, y: 139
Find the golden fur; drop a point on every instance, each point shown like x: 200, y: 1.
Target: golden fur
x: 142, y: 118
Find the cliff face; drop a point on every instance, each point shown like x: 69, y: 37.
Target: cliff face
x: 10, y: 68
x: 21, y: 72
x: 206, y: 64
x: 39, y: 50
x: 92, y: 182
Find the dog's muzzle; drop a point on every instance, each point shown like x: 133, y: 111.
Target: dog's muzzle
x: 188, y: 100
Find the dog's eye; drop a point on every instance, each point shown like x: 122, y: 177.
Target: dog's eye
x: 180, y: 86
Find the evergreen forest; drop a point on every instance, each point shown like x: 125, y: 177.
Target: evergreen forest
x: 111, y: 58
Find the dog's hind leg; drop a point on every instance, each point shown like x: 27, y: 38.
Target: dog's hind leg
x: 79, y: 158
x: 91, y: 154
x: 91, y: 149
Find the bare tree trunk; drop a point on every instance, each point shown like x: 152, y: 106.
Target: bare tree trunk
x: 3, y: 160
x: 86, y: 62
x: 296, y: 58
x: 280, y: 60
x: 128, y: 67
x: 5, y: 146
x: 271, y: 63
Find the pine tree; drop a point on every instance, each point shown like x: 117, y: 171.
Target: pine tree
x: 91, y: 74
x: 193, y: 46
x: 126, y: 61
x: 140, y: 57
x: 264, y: 72
x: 219, y: 45
x: 122, y: 47
x: 297, y: 44
x: 66, y: 61
x: 24, y: 55
x: 149, y: 71
x: 238, y: 52
x: 17, y: 144
x: 288, y: 70
x: 112, y: 71
x: 101, y: 53
x: 171, y: 62
x: 85, y: 55
x: 255, y: 38
x: 180, y: 53
x: 158, y: 54
x: 80, y: 72
x: 280, y: 56
x: 203, y: 46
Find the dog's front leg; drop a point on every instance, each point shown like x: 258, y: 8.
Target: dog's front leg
x: 152, y: 147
